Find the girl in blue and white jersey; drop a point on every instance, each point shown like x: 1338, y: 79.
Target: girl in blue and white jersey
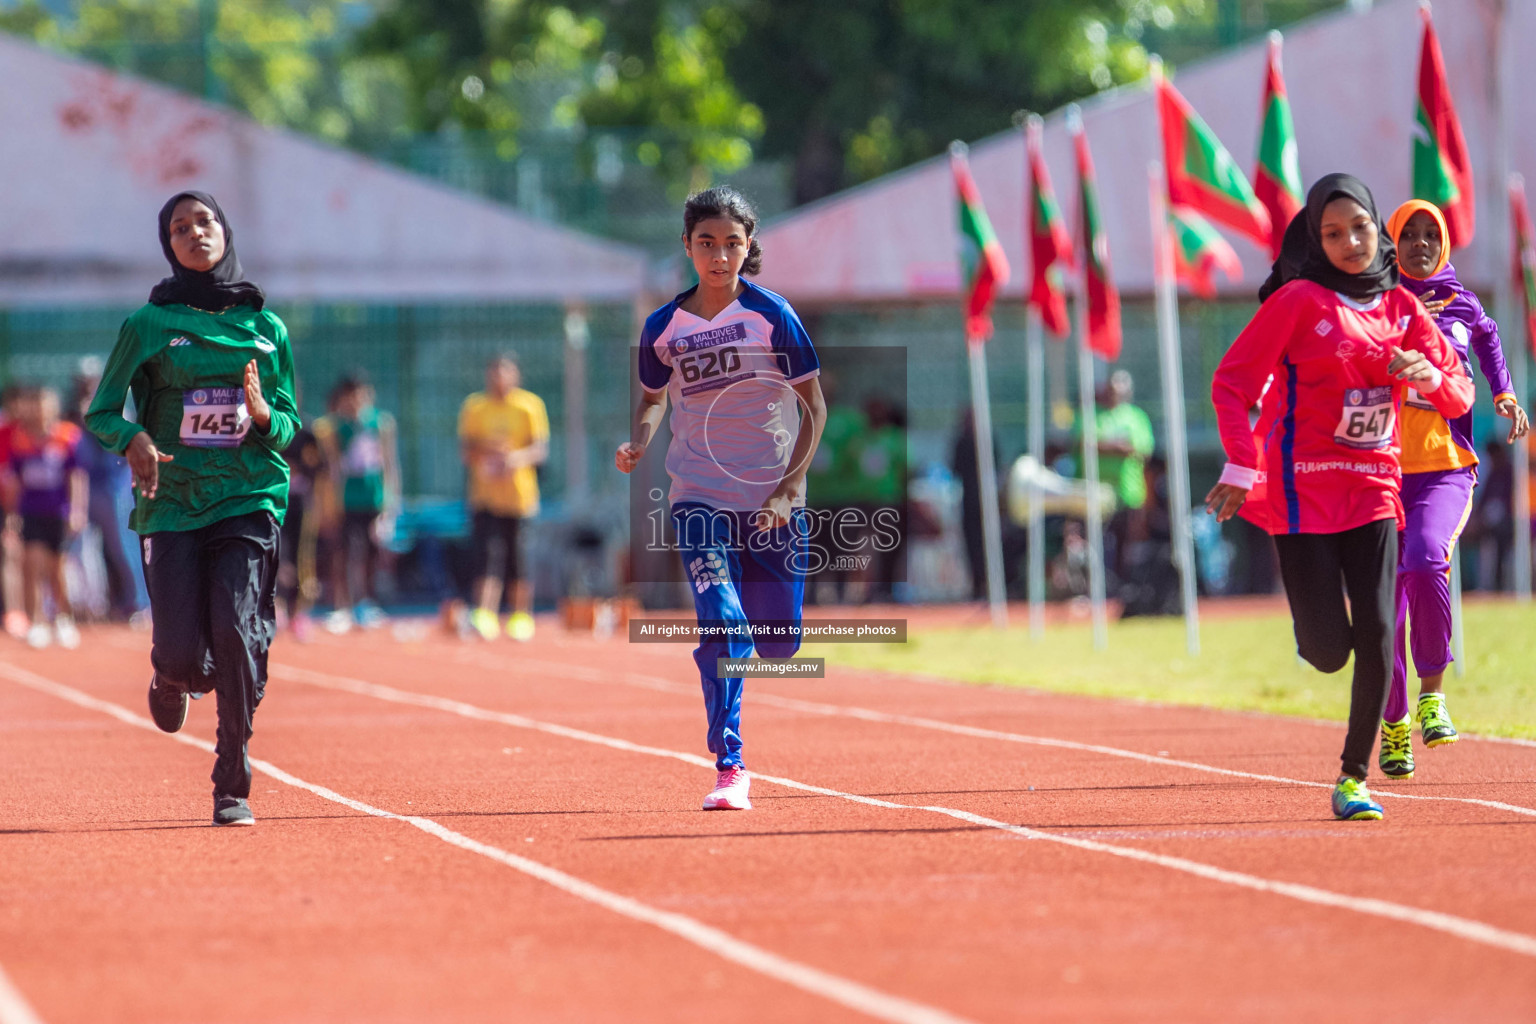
x: 740, y: 372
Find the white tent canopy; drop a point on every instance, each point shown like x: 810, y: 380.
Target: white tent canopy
x: 89, y: 156
x: 1352, y: 80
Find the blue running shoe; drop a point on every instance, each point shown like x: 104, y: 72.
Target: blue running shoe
x: 1353, y: 802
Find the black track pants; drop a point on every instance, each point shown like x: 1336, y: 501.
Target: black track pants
x: 211, y: 595
x: 1318, y: 570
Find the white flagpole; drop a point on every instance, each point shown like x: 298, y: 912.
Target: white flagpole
x: 1520, y: 511
x: 1505, y: 87
x: 1173, y: 406
x: 1034, y: 350
x: 986, y: 473
x: 1090, y: 434
x: 1522, y: 502
x: 1095, y: 523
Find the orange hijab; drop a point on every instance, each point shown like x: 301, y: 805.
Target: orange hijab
x: 1399, y: 220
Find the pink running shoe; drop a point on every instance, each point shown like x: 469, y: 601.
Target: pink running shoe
x: 730, y: 792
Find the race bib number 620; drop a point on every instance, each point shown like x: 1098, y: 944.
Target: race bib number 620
x: 1367, y: 418
x: 214, y: 417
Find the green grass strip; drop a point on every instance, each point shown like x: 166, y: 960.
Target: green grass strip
x: 1247, y: 663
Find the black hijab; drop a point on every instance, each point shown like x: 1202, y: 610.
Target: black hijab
x: 1302, y: 255
x: 211, y: 290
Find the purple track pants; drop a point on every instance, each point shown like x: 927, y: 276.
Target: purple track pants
x: 1437, y: 505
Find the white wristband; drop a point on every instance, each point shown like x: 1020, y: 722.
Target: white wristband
x: 1239, y: 476
x: 1426, y: 387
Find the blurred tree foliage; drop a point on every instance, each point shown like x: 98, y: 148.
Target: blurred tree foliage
x: 844, y: 91
x: 263, y: 56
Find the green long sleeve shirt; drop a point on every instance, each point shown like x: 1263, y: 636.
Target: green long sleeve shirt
x: 186, y: 370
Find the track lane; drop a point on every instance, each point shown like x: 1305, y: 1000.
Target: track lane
x: 954, y: 903
x: 1478, y: 848
x: 338, y: 916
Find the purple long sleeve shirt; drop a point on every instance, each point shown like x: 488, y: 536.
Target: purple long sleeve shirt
x: 1430, y: 442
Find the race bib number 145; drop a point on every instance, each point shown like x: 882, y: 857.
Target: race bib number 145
x: 1367, y: 418
x: 214, y: 417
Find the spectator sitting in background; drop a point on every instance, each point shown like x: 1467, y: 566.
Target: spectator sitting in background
x: 1490, y: 531
x: 110, y: 481
x: 832, y: 485
x: 882, y: 470
x: 1150, y: 585
x: 308, y: 480
x: 1125, y: 443
x: 360, y: 444
x: 11, y: 399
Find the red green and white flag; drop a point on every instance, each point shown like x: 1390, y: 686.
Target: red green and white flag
x: 1525, y: 254
x: 1277, y: 179
x: 1442, y: 171
x: 1102, y: 299
x: 1199, y: 251
x: 1050, y: 246
x: 983, y: 267
x: 1201, y: 173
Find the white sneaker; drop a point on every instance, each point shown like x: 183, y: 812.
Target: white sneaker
x: 64, y: 629
x: 39, y: 636
x: 339, y: 622
x: 730, y: 792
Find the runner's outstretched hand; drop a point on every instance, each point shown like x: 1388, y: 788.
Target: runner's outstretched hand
x: 628, y: 454
x: 144, y: 459
x: 255, y: 402
x: 1510, y: 410
x: 1410, y: 366
x: 1224, y: 501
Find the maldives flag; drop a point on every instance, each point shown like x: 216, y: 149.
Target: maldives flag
x: 1442, y: 171
x: 1199, y: 251
x: 1103, y: 300
x: 983, y: 266
x: 1050, y: 247
x: 1201, y: 173
x: 1277, y: 179
x: 1525, y: 254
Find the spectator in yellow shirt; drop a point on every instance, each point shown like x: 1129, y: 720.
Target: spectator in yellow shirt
x: 503, y: 435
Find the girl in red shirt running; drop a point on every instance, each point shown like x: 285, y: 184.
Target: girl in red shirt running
x: 1330, y: 356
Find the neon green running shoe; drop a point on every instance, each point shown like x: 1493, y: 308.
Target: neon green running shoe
x: 1353, y: 802
x: 485, y: 623
x: 520, y: 626
x: 1396, y: 757
x: 1434, y: 721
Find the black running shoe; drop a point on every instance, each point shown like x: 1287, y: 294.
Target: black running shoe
x: 231, y: 810
x: 167, y: 704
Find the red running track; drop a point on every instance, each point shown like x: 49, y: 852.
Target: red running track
x: 930, y: 852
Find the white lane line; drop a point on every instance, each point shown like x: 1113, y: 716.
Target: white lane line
x: 974, y: 732
x: 851, y: 994
x: 13, y: 1008
x: 1464, y: 928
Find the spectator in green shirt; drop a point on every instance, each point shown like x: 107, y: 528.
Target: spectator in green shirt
x: 1125, y: 443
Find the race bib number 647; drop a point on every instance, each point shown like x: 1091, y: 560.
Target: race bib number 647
x: 1367, y: 418
x: 214, y: 417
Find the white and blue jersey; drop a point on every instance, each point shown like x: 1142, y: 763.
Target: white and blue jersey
x: 735, y: 415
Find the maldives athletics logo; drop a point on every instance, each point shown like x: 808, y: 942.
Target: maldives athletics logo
x: 199, y: 397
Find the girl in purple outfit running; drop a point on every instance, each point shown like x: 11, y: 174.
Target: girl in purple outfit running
x: 1439, y: 470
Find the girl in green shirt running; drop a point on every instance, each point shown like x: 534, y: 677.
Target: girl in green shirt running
x: 211, y: 373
